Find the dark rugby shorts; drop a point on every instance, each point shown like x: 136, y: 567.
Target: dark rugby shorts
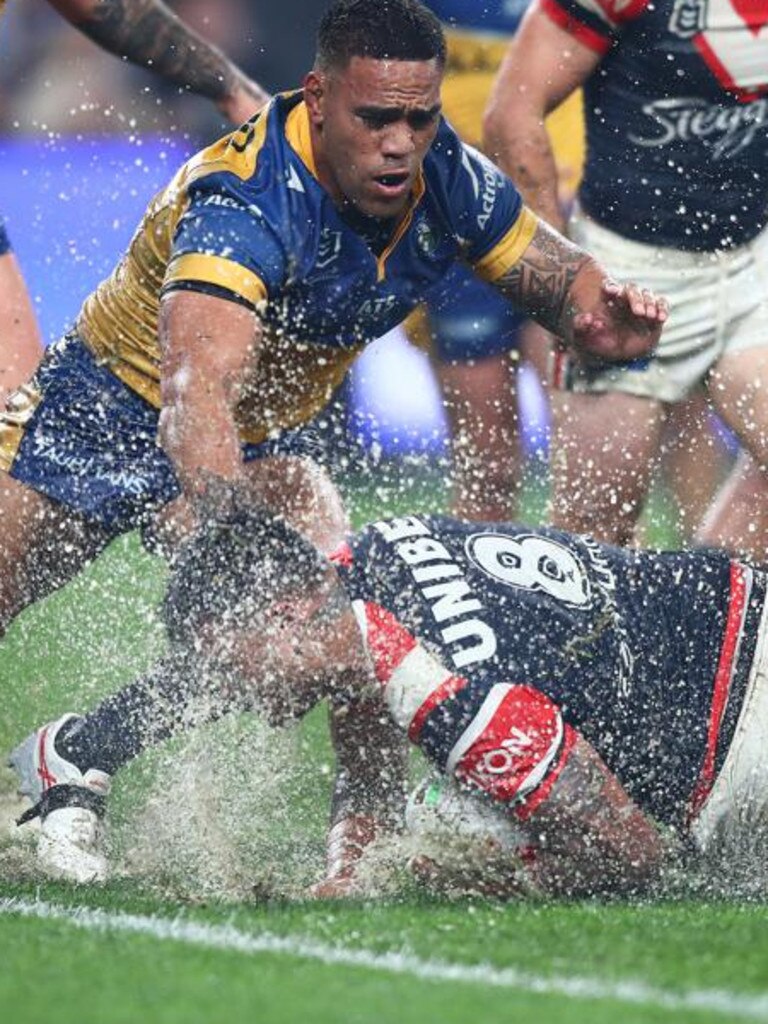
x: 469, y: 318
x: 5, y: 242
x: 90, y: 442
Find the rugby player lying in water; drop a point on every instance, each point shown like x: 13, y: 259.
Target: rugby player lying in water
x: 613, y: 704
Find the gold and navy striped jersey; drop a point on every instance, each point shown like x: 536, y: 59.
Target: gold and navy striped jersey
x: 248, y: 218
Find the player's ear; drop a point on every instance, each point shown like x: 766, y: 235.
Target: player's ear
x: 314, y: 96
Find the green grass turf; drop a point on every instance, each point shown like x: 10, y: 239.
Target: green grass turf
x: 98, y: 633
x: 51, y: 968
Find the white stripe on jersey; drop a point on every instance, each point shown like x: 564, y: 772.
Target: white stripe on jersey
x: 414, y: 680
x: 482, y: 720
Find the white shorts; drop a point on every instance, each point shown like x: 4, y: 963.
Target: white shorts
x: 734, y: 816
x: 718, y: 304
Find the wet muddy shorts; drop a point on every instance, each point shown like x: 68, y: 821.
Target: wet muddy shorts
x: 718, y: 306
x: 77, y: 434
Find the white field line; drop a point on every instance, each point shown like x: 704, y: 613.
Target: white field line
x: 228, y: 938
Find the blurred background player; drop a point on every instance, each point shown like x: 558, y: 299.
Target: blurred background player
x: 476, y: 338
x: 147, y: 33
x: 662, y: 193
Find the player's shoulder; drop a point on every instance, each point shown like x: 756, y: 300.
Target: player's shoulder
x: 257, y: 159
x: 468, y: 187
x: 449, y: 156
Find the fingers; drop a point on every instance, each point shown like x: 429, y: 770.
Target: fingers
x: 643, y: 302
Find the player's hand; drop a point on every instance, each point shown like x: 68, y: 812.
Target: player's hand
x: 348, y: 840
x: 498, y: 879
x: 246, y: 99
x: 623, y: 325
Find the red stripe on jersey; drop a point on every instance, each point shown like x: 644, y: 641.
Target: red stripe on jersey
x: 48, y: 780
x: 564, y: 20
x: 618, y: 14
x: 737, y: 606
x: 560, y: 366
x: 723, y: 75
x: 447, y: 689
x: 388, y: 641
x: 342, y: 555
x: 517, y: 748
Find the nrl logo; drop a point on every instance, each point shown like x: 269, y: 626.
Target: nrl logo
x: 688, y: 18
x: 425, y: 238
x: 329, y: 248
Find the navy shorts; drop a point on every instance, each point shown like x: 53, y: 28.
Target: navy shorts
x: 469, y: 318
x: 90, y: 442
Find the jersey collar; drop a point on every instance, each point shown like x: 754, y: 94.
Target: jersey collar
x: 299, y: 138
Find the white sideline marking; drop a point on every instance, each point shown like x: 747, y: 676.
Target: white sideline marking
x: 231, y: 939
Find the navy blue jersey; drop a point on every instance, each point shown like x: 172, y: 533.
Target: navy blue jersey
x: 644, y: 654
x: 676, y: 118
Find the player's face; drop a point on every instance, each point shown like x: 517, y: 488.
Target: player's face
x: 291, y: 654
x: 373, y: 123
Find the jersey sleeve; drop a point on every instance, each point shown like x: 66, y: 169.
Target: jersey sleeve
x: 224, y: 243
x: 486, y: 209
x: 595, y: 23
x: 514, y: 749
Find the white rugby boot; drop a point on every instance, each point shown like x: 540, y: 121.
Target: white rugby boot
x: 70, y: 804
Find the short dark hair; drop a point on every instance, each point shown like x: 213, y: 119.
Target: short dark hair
x: 227, y: 572
x: 382, y: 29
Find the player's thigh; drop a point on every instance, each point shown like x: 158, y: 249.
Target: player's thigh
x: 42, y: 546
x: 738, y: 388
x: 481, y: 400
x: 737, y: 519
x: 20, y: 345
x: 603, y: 449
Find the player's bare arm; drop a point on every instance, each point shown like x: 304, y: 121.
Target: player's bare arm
x: 148, y: 33
x: 514, y: 133
x: 590, y: 836
x: 561, y: 287
x: 370, y: 783
x: 208, y: 346
x: 298, y: 654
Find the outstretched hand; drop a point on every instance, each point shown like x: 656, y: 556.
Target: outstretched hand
x: 624, y: 324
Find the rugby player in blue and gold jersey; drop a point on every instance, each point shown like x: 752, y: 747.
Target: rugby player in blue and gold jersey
x: 148, y: 33
x: 253, y: 281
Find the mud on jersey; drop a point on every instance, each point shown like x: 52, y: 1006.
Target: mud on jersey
x: 496, y: 643
x: 676, y: 118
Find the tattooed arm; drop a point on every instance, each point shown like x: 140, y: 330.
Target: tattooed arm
x: 590, y: 837
x: 148, y: 33
x: 565, y: 290
x: 542, y: 66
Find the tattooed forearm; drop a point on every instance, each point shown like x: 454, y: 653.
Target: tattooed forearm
x: 148, y: 33
x: 594, y: 829
x: 539, y: 284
